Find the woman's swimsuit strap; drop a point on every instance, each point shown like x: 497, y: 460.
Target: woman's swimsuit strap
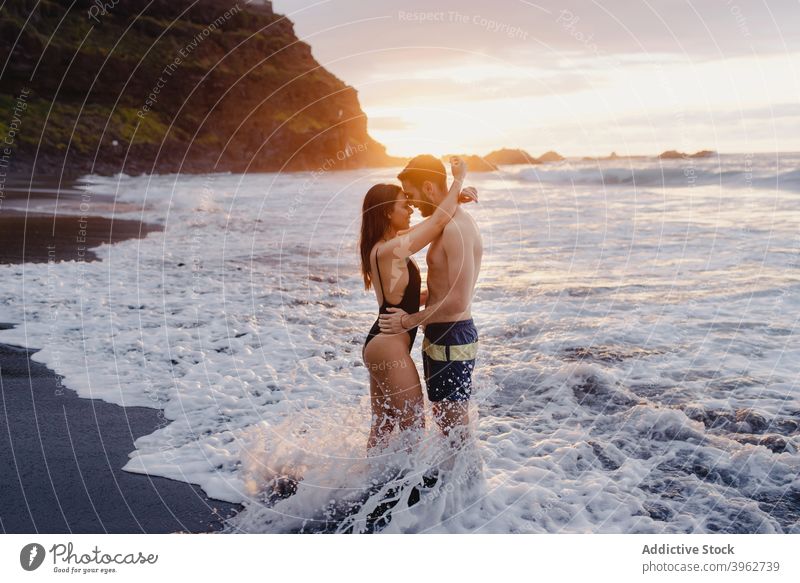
x: 380, y: 283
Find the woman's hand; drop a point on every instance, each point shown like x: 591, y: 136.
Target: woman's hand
x: 392, y: 323
x: 458, y: 168
x: 469, y: 194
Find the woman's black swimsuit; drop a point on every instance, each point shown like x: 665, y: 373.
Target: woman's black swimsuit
x: 409, y: 303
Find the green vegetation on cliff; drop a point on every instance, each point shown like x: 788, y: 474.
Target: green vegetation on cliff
x: 171, y: 85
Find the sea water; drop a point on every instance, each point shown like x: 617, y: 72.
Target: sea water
x: 637, y: 369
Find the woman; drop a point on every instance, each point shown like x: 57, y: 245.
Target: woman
x: 386, y: 246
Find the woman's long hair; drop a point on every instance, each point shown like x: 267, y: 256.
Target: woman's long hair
x: 374, y: 221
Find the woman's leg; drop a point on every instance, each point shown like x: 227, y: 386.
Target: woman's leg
x: 382, y: 420
x: 397, y: 382
x: 405, y: 393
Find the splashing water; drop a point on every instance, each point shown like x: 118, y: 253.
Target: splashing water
x: 307, y: 476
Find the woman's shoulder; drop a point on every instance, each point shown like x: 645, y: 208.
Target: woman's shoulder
x: 382, y: 253
x: 383, y: 250
x: 378, y: 248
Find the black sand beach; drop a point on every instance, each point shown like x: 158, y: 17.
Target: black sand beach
x: 60, y: 455
x: 50, y: 220
x: 37, y: 238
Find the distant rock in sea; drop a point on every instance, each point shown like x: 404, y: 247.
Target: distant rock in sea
x: 509, y: 156
x: 474, y: 163
x: 550, y: 156
x: 674, y: 154
x: 703, y: 154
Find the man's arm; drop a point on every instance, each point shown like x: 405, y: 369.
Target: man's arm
x: 460, y: 271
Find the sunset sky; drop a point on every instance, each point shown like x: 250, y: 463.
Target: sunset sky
x: 582, y: 78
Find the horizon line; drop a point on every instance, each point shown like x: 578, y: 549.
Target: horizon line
x: 717, y: 152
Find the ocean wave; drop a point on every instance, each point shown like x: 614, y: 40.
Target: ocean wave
x: 659, y: 175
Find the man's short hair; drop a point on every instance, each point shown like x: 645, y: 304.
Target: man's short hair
x: 424, y: 167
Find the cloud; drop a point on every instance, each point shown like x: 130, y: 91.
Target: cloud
x: 420, y: 89
x: 695, y: 117
x: 553, y: 68
x: 698, y: 30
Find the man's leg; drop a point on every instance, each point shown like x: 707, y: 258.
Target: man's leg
x: 452, y: 417
x: 449, y: 385
x: 451, y: 414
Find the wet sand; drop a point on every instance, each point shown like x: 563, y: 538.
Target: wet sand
x: 38, y: 238
x: 60, y: 455
x: 45, y: 221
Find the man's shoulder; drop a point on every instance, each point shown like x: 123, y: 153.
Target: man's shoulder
x: 462, y: 224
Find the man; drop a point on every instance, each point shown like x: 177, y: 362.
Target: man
x: 454, y: 261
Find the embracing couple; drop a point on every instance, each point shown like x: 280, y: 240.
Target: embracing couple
x: 450, y: 339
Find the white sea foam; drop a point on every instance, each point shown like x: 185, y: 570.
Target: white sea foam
x: 637, y: 372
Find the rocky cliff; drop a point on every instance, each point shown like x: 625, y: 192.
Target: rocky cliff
x: 170, y: 86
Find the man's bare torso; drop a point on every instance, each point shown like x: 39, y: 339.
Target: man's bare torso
x: 465, y: 232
